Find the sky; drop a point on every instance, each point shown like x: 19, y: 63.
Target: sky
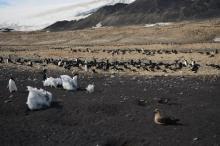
x: 37, y: 14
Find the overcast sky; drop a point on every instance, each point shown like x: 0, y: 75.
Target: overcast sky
x: 40, y: 13
x: 29, y: 7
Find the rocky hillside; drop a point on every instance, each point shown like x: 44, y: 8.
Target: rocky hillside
x: 144, y: 11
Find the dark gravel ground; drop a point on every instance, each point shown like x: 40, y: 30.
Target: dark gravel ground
x: 111, y: 115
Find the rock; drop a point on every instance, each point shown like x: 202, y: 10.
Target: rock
x: 162, y: 100
x: 11, y: 96
x: 195, y: 139
x: 141, y: 102
x: 7, y: 101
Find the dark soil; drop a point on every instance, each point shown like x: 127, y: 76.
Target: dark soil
x: 113, y: 114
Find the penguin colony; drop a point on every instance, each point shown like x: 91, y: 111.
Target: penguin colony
x: 39, y: 98
x: 94, y: 65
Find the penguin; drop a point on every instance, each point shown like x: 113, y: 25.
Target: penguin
x: 1, y: 59
x: 60, y: 63
x: 185, y: 63
x: 86, y: 66
x: 44, y: 74
x: 12, y: 86
x: 30, y: 63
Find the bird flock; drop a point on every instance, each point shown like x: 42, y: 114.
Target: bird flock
x: 40, y: 98
x: 132, y: 65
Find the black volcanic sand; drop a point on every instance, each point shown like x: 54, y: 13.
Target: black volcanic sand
x: 111, y: 115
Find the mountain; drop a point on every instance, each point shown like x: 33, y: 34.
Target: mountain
x: 151, y: 11
x: 144, y: 11
x: 28, y: 17
x: 91, y: 21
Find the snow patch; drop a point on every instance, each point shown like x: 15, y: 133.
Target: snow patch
x: 217, y: 39
x: 99, y: 25
x: 158, y: 24
x: 38, y: 98
x: 90, y: 88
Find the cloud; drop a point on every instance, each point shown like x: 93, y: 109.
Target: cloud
x: 3, y: 3
x: 14, y: 13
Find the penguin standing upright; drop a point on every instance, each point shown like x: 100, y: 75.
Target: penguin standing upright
x: 86, y: 66
x: 12, y: 86
x: 185, y: 63
x: 44, y: 74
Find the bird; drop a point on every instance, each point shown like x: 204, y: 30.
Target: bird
x: 44, y: 74
x: 194, y: 67
x: 192, y: 63
x: 1, y: 59
x: 69, y: 83
x: 7, y: 61
x: 90, y: 88
x: 94, y: 71
x: 185, y: 63
x: 38, y: 98
x: 75, y: 81
x: 30, y: 63
x: 162, y: 120
x: 11, y: 85
x: 86, y: 66
x: 60, y: 63
x: 52, y: 82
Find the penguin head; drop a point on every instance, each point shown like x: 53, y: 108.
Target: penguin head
x: 12, y: 78
x: 76, y: 74
x: 156, y: 111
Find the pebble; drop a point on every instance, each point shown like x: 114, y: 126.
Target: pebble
x: 7, y: 101
x: 195, y: 139
x: 11, y: 96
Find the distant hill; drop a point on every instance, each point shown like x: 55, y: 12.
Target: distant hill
x: 144, y: 11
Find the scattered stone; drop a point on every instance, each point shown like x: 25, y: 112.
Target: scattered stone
x: 7, y: 101
x: 141, y: 102
x: 11, y: 96
x: 112, y: 76
x: 195, y: 139
x: 162, y: 100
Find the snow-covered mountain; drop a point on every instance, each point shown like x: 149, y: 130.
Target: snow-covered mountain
x: 30, y: 18
x: 142, y: 12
